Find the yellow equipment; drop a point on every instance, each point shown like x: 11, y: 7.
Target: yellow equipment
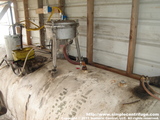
x: 21, y: 54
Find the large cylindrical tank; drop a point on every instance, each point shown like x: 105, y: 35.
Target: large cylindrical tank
x: 12, y: 42
x: 65, y: 29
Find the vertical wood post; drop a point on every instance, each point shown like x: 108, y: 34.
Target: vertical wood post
x: 133, y: 36
x: 26, y: 15
x: 90, y: 29
x: 62, y: 6
x: 16, y: 11
x: 41, y: 23
x: 16, y: 14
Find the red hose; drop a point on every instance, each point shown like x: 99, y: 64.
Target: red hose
x: 143, y: 85
x: 67, y: 58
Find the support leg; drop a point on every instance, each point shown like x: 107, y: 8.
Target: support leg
x: 78, y: 50
x: 54, y: 54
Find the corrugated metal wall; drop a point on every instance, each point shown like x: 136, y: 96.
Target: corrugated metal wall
x: 147, y: 59
x: 111, y: 31
x: 77, y: 10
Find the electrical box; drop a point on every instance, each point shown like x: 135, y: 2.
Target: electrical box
x: 47, y: 9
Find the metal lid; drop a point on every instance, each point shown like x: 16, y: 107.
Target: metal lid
x: 65, y: 22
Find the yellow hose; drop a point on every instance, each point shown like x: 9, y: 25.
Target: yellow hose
x: 32, y: 29
x: 49, y: 19
x: 38, y: 27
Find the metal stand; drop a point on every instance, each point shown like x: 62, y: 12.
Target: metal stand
x: 62, y: 30
x: 78, y: 50
x: 54, y: 54
x: 4, y: 60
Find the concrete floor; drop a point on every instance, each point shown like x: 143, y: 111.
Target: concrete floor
x: 72, y: 94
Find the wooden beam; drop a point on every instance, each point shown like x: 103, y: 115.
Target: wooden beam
x: 135, y: 76
x: 16, y: 10
x: 41, y: 23
x: 133, y: 36
x: 62, y: 6
x: 90, y: 29
x: 4, y: 10
x: 26, y: 15
x: 7, y: 0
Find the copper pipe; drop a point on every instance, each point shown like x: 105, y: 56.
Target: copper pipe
x: 143, y: 85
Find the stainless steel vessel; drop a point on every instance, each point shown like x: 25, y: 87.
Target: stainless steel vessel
x: 59, y: 31
x: 65, y: 29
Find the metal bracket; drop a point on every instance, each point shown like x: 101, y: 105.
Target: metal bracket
x: 4, y: 10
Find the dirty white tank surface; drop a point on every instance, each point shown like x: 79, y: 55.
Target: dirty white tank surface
x: 71, y: 94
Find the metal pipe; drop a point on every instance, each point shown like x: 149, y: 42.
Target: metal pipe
x: 21, y: 37
x: 4, y: 10
x: 12, y: 21
x: 54, y: 52
x: 144, y: 87
x: 78, y: 50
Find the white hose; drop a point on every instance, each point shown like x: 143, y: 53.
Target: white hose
x: 25, y: 62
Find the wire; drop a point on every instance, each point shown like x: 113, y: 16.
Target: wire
x: 40, y: 27
x: 32, y: 29
x: 35, y: 29
x: 25, y: 62
x: 45, y: 52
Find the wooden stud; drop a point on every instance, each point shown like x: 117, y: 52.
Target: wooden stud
x: 26, y: 15
x: 16, y: 14
x: 62, y: 6
x: 16, y: 11
x: 90, y: 29
x: 133, y: 36
x: 135, y: 76
x: 41, y: 23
